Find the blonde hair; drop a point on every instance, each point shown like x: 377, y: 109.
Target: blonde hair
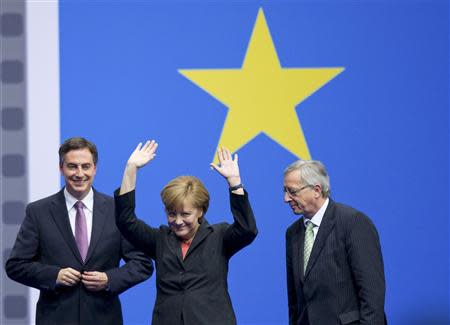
x: 185, y: 187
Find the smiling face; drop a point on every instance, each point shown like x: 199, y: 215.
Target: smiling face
x: 78, y: 170
x: 185, y: 220
x: 302, y: 198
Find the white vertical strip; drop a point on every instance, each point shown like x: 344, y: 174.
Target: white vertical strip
x: 43, y: 118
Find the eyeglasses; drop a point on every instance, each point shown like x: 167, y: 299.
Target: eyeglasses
x: 293, y: 192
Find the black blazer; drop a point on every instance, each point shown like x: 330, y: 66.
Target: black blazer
x: 45, y: 244
x: 344, y: 280
x: 194, y: 290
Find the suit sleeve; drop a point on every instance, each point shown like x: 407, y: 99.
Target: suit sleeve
x: 366, y: 262
x: 137, y: 232
x: 24, y: 264
x: 292, y: 296
x: 243, y: 230
x: 138, y: 267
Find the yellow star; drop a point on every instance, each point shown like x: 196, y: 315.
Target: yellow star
x: 261, y: 96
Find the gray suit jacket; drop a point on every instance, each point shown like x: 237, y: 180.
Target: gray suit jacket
x: 45, y: 244
x: 344, y: 280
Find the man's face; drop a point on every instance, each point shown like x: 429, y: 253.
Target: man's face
x: 303, y: 199
x: 78, y: 170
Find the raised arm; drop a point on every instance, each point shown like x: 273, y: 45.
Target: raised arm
x: 137, y: 232
x: 139, y: 158
x: 243, y: 230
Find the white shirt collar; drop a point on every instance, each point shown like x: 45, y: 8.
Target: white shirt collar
x: 88, y: 200
x: 317, y: 218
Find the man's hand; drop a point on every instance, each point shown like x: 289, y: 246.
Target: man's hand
x: 68, y: 277
x: 94, y: 281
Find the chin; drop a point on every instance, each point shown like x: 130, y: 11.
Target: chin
x: 180, y: 234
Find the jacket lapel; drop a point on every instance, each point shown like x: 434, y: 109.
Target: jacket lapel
x: 175, y: 246
x: 324, y: 231
x: 99, y: 215
x: 298, y: 250
x: 58, y: 210
x: 203, y: 231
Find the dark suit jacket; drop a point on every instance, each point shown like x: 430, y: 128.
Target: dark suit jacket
x: 194, y: 290
x: 45, y: 244
x: 344, y: 280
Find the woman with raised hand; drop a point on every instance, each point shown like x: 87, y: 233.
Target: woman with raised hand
x: 191, y: 256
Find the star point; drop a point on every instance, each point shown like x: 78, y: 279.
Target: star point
x: 262, y: 96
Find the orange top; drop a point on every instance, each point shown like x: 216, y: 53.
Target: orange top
x: 185, y: 247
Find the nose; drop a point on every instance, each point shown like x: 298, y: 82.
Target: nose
x: 178, y: 221
x: 287, y: 197
x: 79, y: 171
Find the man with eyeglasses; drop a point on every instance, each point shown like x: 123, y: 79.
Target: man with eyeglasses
x: 335, y: 272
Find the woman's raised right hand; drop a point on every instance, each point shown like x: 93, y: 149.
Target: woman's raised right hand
x: 143, y: 154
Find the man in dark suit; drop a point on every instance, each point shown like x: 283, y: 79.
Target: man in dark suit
x: 69, y: 248
x: 333, y: 256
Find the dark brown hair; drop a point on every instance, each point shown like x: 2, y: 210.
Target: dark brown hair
x: 77, y: 144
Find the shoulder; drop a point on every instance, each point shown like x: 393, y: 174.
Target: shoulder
x: 343, y: 210
x: 45, y: 201
x: 218, y: 226
x: 103, y: 197
x: 349, y: 216
x: 293, y: 228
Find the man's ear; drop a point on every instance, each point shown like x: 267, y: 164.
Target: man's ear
x: 317, y: 190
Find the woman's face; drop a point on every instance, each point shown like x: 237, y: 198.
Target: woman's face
x: 184, y: 220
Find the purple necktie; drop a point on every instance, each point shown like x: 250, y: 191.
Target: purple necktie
x: 81, y: 230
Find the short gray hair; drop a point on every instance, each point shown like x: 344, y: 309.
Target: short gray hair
x: 312, y: 172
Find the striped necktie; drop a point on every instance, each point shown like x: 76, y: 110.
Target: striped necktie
x: 309, y: 242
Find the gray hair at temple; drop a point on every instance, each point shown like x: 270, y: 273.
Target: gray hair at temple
x: 312, y: 172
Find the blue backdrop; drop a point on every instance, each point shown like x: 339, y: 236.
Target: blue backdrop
x: 381, y: 127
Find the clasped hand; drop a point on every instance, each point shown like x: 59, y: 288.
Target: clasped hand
x: 92, y: 280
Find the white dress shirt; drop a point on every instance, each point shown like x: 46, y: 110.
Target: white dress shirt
x: 88, y: 209
x: 317, y: 218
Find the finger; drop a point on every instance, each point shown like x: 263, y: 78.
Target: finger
x: 138, y: 147
x: 146, y: 145
x: 220, y: 155
x: 71, y: 278
x: 90, y: 282
x: 214, y: 166
x: 235, y: 158
x: 73, y: 272
x: 224, y: 153
x: 72, y: 275
x: 228, y: 153
x: 152, y: 149
x: 90, y: 277
x: 71, y: 282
